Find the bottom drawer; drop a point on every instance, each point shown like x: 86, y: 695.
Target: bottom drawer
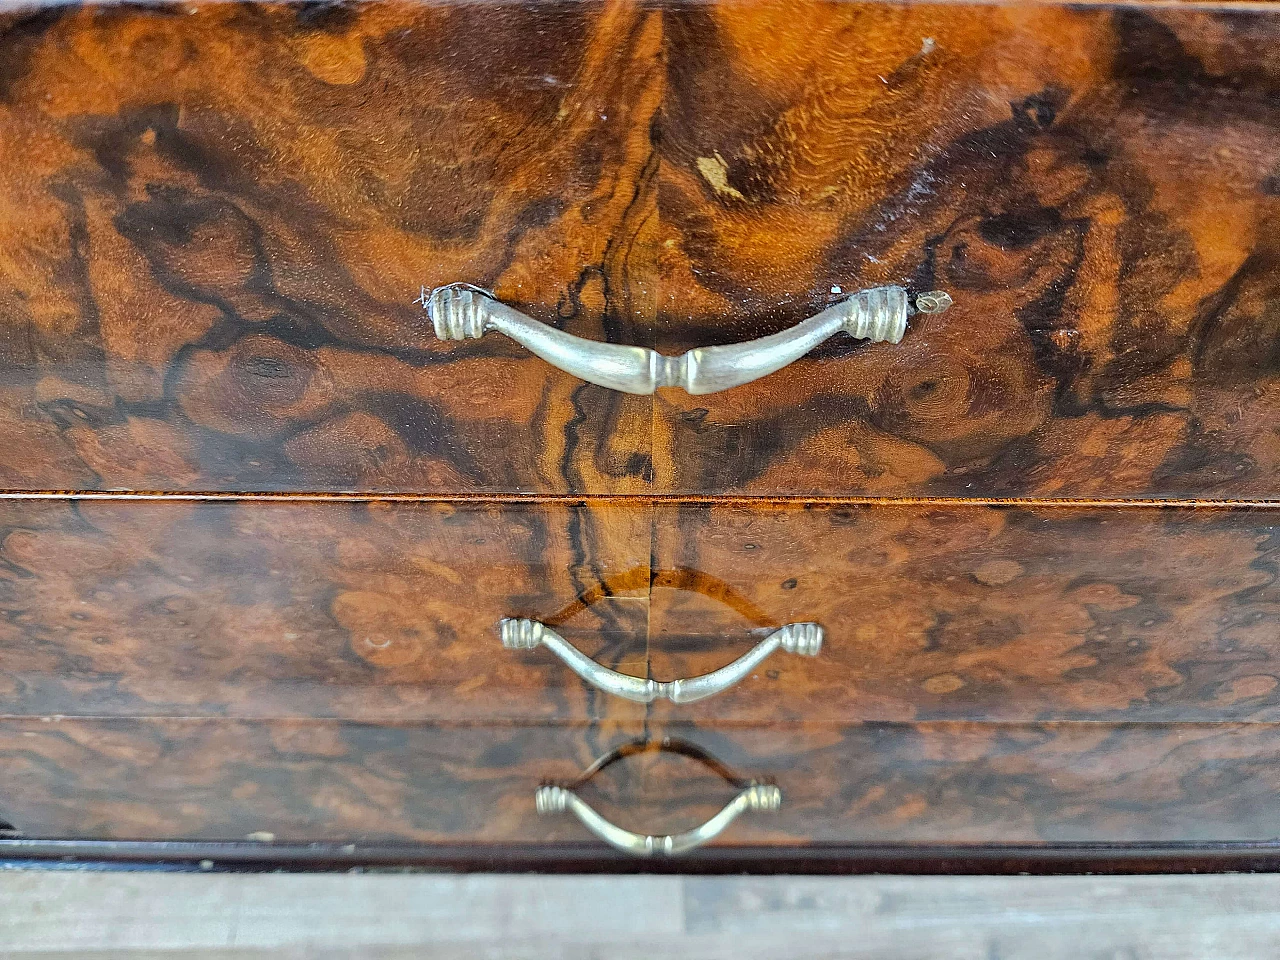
x: 339, y: 782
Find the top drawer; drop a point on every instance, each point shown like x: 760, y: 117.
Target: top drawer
x: 215, y: 219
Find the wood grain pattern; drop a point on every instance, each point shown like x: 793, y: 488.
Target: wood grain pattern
x: 973, y: 612
x: 363, y: 611
x: 337, y: 781
x: 292, y: 779
x: 215, y: 219
x: 1097, y: 190
x: 373, y: 611
x: 214, y: 222
x: 994, y: 782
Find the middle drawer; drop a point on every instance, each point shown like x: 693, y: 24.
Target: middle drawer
x: 391, y: 610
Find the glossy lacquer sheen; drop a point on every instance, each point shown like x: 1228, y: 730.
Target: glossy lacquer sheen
x: 215, y: 220
x: 291, y: 553
x: 392, y: 611
x: 341, y: 782
x: 342, y: 610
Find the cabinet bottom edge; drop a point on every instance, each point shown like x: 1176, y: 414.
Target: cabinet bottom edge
x: 1049, y: 858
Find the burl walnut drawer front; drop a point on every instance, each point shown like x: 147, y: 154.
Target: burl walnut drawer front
x: 336, y: 782
x: 975, y: 612
x: 395, y: 611
x: 355, y: 610
x: 215, y: 221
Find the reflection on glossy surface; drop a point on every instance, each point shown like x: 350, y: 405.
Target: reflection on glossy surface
x: 339, y: 781
x: 364, y: 611
x: 383, y: 611
x: 214, y: 228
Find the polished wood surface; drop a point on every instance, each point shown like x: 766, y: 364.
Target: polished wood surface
x: 158, y: 686
x: 1096, y: 188
x: 972, y: 612
x: 989, y: 782
x: 355, y: 610
x: 927, y: 783
x: 215, y: 220
x: 389, y: 611
x: 293, y: 780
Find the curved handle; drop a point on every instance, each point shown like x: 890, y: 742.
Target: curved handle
x: 459, y: 311
x: 519, y: 634
x: 759, y: 796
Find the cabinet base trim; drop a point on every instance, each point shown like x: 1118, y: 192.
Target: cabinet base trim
x: 938, y: 859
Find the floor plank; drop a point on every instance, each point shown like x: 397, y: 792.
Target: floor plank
x: 153, y: 916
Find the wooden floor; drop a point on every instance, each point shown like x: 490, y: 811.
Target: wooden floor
x: 154, y: 915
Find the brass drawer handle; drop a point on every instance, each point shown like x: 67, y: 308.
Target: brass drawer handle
x: 520, y: 634
x: 763, y: 797
x: 459, y: 311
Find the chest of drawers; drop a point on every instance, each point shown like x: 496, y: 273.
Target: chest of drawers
x: 752, y: 434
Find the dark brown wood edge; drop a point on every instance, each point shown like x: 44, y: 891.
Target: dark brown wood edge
x: 1249, y: 5
x: 1004, y: 859
x: 506, y: 499
x: 1245, y: 5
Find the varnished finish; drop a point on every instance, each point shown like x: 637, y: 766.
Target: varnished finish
x: 391, y: 611
x: 976, y: 613
x: 215, y: 218
x: 928, y: 783
x: 1095, y: 187
x: 363, y: 611
x: 215, y: 221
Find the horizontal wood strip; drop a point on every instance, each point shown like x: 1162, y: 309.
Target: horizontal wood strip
x: 790, y: 727
x: 356, y: 610
x: 584, y: 857
x: 1169, y: 503
x: 87, y: 915
x: 387, y: 611
x: 946, y: 783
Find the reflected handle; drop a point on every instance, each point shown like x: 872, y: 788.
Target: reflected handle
x: 460, y: 311
x: 518, y: 634
x: 763, y: 797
